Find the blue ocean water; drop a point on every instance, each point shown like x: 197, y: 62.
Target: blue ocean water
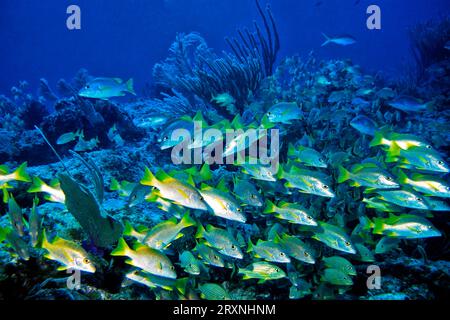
x: 125, y: 39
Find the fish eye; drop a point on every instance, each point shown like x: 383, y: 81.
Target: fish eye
x: 389, y: 178
x: 216, y: 257
x: 419, y: 199
x: 282, y: 254
x: 88, y: 86
x: 277, y: 270
x: 165, y: 138
x: 325, y: 186
x: 269, y: 113
x: 233, y: 247
x: 253, y: 196
x: 440, y: 162
x: 86, y: 261
x: 428, y: 146
x: 172, y: 268
x: 238, y: 210
x: 306, y: 254
x: 309, y: 217
x: 347, y: 243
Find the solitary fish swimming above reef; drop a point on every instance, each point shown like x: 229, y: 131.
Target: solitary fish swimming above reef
x: 105, y: 88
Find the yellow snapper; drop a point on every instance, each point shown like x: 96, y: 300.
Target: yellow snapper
x: 367, y: 175
x: 388, y: 138
x: 245, y: 191
x: 221, y: 203
x: 419, y: 158
x: 69, y: 137
x: 139, y: 233
x: 154, y: 282
x: 386, y: 244
x: 336, y: 277
x: 172, y: 189
x: 295, y: 248
x: 405, y: 226
x: 220, y: 239
x: 334, y: 237
x: 307, y: 181
x: 291, y: 212
x: 284, y: 112
x: 269, y: 251
x: 426, y: 184
x: 68, y: 253
x: 209, y: 255
x: 54, y: 192
x: 148, y: 259
x: 403, y: 198
x: 124, y: 188
x: 105, y: 88
x: 307, y: 156
x: 162, y: 235
x: 340, y: 264
x: 263, y: 271
x: 260, y: 172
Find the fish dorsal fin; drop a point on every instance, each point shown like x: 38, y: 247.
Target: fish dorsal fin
x: 265, y: 123
x: 205, y: 172
x: 222, y: 185
x: 58, y: 240
x: 118, y: 80
x: 204, y: 186
x: 172, y: 220
x: 199, y: 117
x: 4, y: 169
x: 417, y: 176
x: 296, y: 170
x: 392, y: 218
x: 161, y: 175
x: 186, y: 118
x: 142, y: 229
x: 358, y: 167
x: 55, y: 183
x: 277, y: 239
x: 282, y: 204
x: 190, y: 181
x: 192, y: 171
x: 139, y: 246
x: 223, y: 124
